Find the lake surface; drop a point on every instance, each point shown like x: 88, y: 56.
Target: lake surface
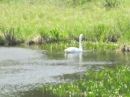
x: 23, y: 71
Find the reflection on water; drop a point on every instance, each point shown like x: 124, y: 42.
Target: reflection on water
x: 23, y: 71
x: 74, y: 56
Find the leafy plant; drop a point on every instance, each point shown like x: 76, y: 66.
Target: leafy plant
x: 104, y: 83
x: 10, y: 38
x: 55, y: 33
x: 2, y: 42
x: 77, y: 2
x: 112, y: 3
x: 58, y: 35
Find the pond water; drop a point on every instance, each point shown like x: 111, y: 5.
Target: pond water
x: 24, y: 70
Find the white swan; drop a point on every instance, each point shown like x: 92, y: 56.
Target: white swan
x: 75, y: 49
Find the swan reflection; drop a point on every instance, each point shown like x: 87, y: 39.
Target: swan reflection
x: 76, y: 57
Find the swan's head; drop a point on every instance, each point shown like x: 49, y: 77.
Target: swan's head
x: 81, y: 36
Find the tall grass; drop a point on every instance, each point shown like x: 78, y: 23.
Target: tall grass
x: 61, y: 19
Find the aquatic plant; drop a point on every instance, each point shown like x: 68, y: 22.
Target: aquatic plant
x: 10, y: 38
x: 2, y: 41
x: 55, y: 33
x: 77, y: 2
x: 103, y: 83
x: 112, y: 3
x: 87, y: 45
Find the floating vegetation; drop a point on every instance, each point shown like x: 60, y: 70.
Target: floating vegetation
x: 104, y: 83
x: 86, y: 45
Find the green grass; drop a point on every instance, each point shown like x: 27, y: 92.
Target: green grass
x: 104, y: 83
x: 98, y: 20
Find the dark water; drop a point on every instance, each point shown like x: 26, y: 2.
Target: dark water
x: 23, y: 71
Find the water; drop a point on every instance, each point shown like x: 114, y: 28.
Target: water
x: 24, y: 70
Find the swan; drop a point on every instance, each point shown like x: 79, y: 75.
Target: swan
x: 75, y: 49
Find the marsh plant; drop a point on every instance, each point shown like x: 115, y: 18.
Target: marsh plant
x: 2, y: 42
x: 112, y: 3
x: 104, y: 83
x: 87, y: 45
x: 9, y: 35
x: 55, y: 33
x: 77, y: 2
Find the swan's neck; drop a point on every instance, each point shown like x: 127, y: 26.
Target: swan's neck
x: 80, y: 43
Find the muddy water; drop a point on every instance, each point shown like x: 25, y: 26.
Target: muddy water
x: 24, y: 70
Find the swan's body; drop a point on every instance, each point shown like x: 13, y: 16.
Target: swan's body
x: 75, y: 49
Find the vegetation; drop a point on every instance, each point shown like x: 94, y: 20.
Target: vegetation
x: 104, y: 23
x: 60, y: 46
x: 60, y: 20
x: 104, y: 83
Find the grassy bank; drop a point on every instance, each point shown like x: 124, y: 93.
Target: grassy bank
x: 98, y: 20
x: 104, y: 83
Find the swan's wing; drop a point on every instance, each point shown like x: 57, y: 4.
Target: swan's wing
x: 72, y: 50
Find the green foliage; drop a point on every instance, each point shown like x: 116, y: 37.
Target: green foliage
x: 2, y: 41
x: 101, y: 31
x: 54, y: 19
x: 9, y: 36
x: 77, y: 2
x: 100, y: 46
x: 55, y: 33
x: 60, y: 46
x: 112, y: 3
x: 104, y: 83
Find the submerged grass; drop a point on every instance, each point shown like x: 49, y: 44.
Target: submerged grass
x: 104, y: 83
